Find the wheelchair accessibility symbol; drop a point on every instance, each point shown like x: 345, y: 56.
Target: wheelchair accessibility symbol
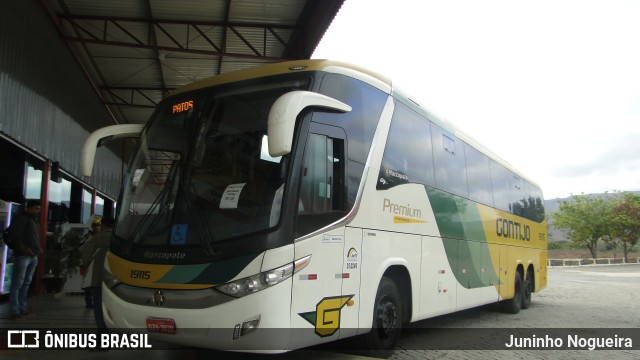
x: 179, y: 234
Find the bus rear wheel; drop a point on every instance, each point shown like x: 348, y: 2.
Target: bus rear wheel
x: 387, y: 321
x: 513, y: 305
x: 528, y: 290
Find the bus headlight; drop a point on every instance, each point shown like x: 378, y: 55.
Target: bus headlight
x: 109, y: 280
x: 255, y: 283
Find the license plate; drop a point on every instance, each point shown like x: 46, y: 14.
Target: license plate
x: 165, y: 326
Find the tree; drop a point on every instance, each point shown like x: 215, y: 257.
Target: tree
x: 626, y: 221
x: 586, y: 219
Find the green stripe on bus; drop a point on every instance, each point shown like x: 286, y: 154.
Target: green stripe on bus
x: 213, y: 273
x: 464, y: 240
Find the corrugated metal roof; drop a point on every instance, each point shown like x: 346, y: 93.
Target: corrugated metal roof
x: 135, y: 52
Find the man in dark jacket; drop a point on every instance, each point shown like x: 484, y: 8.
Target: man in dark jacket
x: 26, y: 232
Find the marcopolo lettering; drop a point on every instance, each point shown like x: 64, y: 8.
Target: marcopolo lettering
x: 396, y: 174
x: 512, y: 230
x: 164, y: 255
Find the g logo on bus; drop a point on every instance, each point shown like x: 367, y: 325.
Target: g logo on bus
x: 158, y: 298
x: 326, y: 318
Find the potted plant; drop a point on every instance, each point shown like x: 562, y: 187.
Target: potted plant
x: 62, y: 259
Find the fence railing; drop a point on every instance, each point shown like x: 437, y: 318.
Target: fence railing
x: 589, y: 262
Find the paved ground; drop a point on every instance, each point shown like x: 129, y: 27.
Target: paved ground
x: 598, y: 297
x: 601, y: 297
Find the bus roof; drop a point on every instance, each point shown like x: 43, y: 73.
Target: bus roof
x: 287, y: 67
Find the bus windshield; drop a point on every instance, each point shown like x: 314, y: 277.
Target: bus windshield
x: 202, y: 173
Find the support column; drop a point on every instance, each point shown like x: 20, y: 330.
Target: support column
x: 44, y: 217
x: 94, y: 193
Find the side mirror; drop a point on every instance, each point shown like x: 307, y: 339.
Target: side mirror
x: 101, y: 137
x: 285, y: 111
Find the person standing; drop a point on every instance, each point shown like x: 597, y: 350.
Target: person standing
x: 25, y: 229
x: 95, y: 228
x: 93, y: 256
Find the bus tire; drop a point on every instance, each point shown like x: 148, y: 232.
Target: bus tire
x: 387, y: 321
x: 528, y: 290
x: 513, y: 305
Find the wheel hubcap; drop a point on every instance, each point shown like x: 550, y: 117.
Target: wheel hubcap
x: 387, y: 318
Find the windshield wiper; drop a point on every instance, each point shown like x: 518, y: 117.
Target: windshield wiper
x: 162, y: 201
x: 202, y: 230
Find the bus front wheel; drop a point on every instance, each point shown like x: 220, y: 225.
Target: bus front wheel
x: 387, y: 321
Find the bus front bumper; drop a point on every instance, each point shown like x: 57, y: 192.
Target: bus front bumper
x: 258, y: 322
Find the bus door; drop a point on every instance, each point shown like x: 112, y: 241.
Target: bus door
x: 317, y: 300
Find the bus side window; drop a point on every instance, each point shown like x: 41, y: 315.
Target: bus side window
x: 478, y: 175
x: 408, y: 153
x: 322, y: 187
x: 449, y: 162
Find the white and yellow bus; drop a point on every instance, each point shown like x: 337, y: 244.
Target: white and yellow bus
x: 303, y: 202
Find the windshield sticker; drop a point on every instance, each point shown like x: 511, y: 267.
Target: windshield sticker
x: 337, y: 239
x: 179, y: 234
x: 231, y: 196
x: 352, y: 259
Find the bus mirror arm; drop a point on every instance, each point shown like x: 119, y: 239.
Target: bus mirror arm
x: 99, y: 138
x: 285, y: 111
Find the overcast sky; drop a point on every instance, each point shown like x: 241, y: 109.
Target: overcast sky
x: 551, y: 86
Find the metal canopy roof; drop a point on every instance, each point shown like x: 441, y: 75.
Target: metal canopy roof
x: 134, y: 52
